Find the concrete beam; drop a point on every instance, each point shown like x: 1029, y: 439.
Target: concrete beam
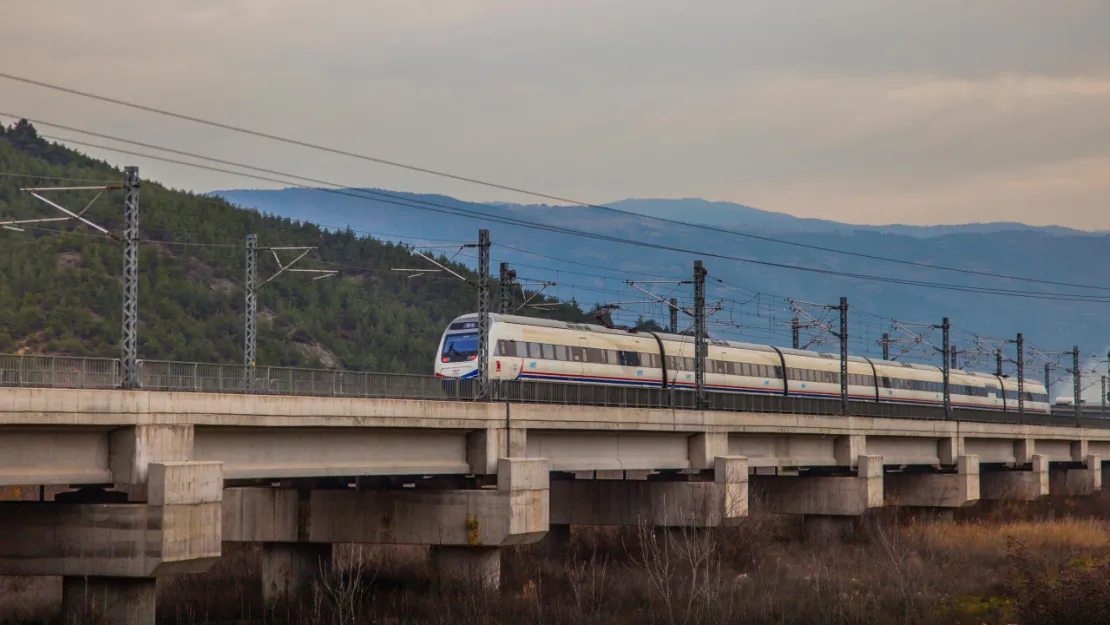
x: 822, y: 495
x: 517, y: 512
x: 935, y: 490
x: 53, y: 455
x: 263, y: 514
x: 178, y: 531
x: 1022, y: 485
x: 1076, y: 481
x: 289, y: 452
x: 610, y: 450
x: 693, y: 503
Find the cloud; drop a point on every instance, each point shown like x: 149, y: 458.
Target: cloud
x: 860, y: 110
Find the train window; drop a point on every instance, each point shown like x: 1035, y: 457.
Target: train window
x: 506, y: 348
x: 549, y: 351
x: 534, y: 350
x: 777, y: 371
x: 560, y: 352
x: 886, y: 382
x: 521, y: 348
x: 577, y: 354
x: 629, y: 359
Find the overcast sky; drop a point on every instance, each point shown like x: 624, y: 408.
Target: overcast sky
x: 868, y: 111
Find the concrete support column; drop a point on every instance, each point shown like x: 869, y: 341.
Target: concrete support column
x: 513, y: 514
x: 695, y: 502
x: 108, y: 600
x: 289, y: 568
x: 476, y: 567
x: 1078, y: 482
x: 822, y: 495
x: 935, y: 490
x: 1016, y: 484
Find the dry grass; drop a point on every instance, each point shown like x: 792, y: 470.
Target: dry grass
x: 966, y: 573
x: 994, y: 538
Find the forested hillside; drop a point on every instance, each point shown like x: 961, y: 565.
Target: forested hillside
x: 60, y: 287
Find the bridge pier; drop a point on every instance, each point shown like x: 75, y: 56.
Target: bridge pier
x: 1016, y: 484
x: 704, y: 499
x: 110, y: 553
x: 1077, y: 481
x: 821, y: 499
x: 935, y: 492
x: 466, y: 526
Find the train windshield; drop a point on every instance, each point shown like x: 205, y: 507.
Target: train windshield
x: 460, y: 348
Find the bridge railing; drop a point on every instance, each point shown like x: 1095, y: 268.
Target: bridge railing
x: 159, y: 375
x: 59, y: 371
x: 212, y: 378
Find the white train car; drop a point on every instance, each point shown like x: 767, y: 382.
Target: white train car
x: 523, y: 348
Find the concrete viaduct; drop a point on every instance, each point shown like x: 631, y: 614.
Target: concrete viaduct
x: 160, y: 479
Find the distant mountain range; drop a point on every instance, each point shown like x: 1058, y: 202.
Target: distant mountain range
x: 739, y: 216
x: 1050, y: 253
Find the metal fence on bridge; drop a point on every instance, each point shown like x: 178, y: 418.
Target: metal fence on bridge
x: 154, y: 375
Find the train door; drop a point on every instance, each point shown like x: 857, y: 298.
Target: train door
x: 508, y: 366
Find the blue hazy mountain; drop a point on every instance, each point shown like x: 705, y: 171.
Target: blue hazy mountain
x: 1046, y: 253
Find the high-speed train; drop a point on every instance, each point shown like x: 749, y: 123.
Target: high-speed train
x: 523, y: 348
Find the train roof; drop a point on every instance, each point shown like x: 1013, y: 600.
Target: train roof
x: 683, y: 338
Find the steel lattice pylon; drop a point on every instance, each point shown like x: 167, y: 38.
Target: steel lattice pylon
x: 129, y: 337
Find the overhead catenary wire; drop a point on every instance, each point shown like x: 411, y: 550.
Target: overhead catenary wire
x: 7, y: 174
x: 390, y: 198
x: 241, y: 173
x: 382, y: 161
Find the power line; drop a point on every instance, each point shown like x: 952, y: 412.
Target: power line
x: 503, y: 187
x: 389, y: 198
x: 56, y: 178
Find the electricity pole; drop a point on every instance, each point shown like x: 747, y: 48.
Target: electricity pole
x: 886, y: 346
x: 1021, y: 376
x: 998, y: 362
x: 700, y: 349
x: 843, y: 336
x: 483, y: 313
x: 794, y: 331
x: 1048, y: 381
x: 1103, y: 395
x: 674, y: 315
x: 251, y: 303
x: 945, y: 350
x: 505, y: 290
x: 129, y: 339
x: 1076, y: 379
